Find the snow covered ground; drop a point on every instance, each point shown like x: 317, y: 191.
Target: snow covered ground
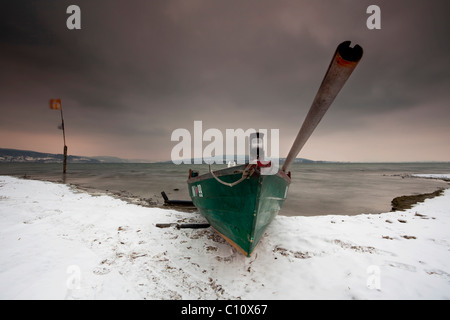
x: 59, y: 243
x: 433, y: 176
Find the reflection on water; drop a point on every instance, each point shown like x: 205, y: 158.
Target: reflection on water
x: 316, y: 189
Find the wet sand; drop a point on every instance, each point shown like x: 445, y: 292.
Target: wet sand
x: 406, y: 202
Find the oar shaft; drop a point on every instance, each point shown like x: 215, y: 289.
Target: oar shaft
x: 342, y: 65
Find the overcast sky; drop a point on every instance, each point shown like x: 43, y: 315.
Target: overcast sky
x: 137, y: 70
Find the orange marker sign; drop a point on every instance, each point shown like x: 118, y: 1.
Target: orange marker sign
x: 55, y: 104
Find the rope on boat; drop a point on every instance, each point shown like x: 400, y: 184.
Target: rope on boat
x: 247, y: 173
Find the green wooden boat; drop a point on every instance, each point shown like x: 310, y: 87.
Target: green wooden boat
x: 240, y: 213
x: 240, y: 202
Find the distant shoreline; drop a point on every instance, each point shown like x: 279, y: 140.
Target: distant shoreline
x: 8, y: 155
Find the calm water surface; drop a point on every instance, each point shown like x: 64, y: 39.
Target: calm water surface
x: 316, y: 189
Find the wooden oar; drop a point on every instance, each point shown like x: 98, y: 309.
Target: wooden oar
x: 342, y: 65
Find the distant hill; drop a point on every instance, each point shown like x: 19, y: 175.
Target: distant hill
x: 13, y: 155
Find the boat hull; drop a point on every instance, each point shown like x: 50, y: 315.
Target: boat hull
x: 241, y: 213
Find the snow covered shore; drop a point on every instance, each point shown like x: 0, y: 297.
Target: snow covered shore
x: 59, y: 243
x: 445, y: 177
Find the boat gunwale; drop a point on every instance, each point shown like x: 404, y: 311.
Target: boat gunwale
x: 228, y: 171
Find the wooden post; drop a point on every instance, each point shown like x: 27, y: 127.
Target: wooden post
x: 64, y: 139
x: 65, y: 160
x: 55, y: 104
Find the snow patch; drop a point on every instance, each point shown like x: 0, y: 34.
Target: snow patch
x: 58, y: 243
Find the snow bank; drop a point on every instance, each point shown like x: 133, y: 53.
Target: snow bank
x: 58, y: 243
x: 433, y: 176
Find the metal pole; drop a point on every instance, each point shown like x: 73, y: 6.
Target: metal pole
x: 64, y: 138
x: 342, y: 65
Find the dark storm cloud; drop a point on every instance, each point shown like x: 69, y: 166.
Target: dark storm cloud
x: 139, y: 69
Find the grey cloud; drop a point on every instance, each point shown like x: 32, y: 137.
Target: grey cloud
x: 139, y: 69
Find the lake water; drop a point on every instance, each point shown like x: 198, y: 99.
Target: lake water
x: 316, y: 189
